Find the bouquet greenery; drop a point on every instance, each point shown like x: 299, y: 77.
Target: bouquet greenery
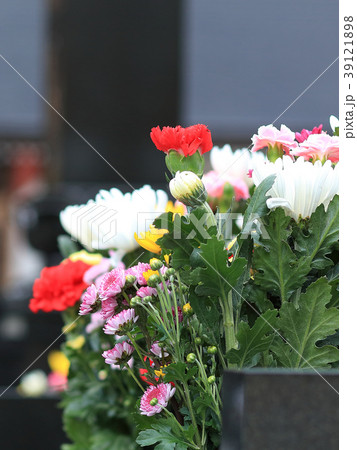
x: 241, y: 272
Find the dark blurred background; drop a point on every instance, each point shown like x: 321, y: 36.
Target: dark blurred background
x: 113, y: 70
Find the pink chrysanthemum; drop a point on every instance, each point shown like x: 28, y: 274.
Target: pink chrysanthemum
x: 90, y: 301
x: 319, y: 146
x: 112, y: 283
x: 146, y: 291
x: 271, y: 136
x: 156, y: 398
x: 121, y: 323
x: 158, y: 351
x: 96, y: 321
x: 301, y: 137
x: 215, y: 183
x: 119, y: 355
x: 108, y: 307
x: 138, y: 271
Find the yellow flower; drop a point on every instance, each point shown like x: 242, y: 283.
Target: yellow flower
x: 148, y: 239
x: 186, y: 308
x: 160, y: 373
x: 167, y: 259
x: 148, y: 274
x: 76, y: 343
x: 89, y: 258
x: 177, y: 208
x: 58, y: 362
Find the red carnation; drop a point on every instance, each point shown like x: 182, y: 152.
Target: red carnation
x: 59, y: 287
x: 186, y: 141
x: 301, y: 137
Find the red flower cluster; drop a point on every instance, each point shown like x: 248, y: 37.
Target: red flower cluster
x: 185, y: 141
x: 59, y: 287
x: 301, y: 137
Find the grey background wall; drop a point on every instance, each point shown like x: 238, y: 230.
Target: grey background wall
x: 244, y: 62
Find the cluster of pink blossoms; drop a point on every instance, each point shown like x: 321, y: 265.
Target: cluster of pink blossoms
x: 106, y: 300
x: 314, y: 144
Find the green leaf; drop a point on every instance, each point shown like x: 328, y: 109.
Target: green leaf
x: 279, y: 271
x: 218, y: 277
x: 185, y: 234
x: 78, y: 431
x: 253, y: 341
x: 208, y: 315
x: 321, y: 235
x: 163, y: 435
x: 257, y: 206
x: 177, y: 372
x: 303, y: 327
x: 111, y: 440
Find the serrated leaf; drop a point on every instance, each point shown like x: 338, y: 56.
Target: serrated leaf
x: 218, y: 277
x: 208, y: 315
x: 179, y: 371
x: 303, y: 327
x: 163, y: 435
x: 279, y: 270
x: 253, y: 341
x: 322, y: 234
x: 185, y: 234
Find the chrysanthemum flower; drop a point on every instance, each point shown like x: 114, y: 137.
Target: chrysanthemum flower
x: 234, y: 164
x: 271, y: 136
x: 215, y: 183
x: 138, y: 271
x: 96, y: 321
x: 146, y: 291
x: 108, y: 307
x: 147, y: 239
x: 112, y: 283
x: 109, y: 221
x: 90, y: 301
x: 158, y: 351
x: 121, y: 323
x: 301, y: 137
x: 119, y: 355
x: 319, y: 146
x: 156, y: 398
x: 185, y: 141
x: 300, y: 186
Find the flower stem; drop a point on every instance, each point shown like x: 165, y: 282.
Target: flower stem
x: 228, y: 322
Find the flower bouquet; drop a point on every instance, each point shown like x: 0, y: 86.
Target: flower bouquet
x: 160, y: 298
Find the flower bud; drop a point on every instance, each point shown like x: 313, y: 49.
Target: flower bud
x: 135, y: 301
x: 188, y: 188
x: 155, y: 264
x: 129, y: 280
x: 191, y: 358
x: 198, y: 341
x: 153, y: 280
x: 153, y: 401
x: 211, y: 379
x: 212, y: 350
x: 147, y: 299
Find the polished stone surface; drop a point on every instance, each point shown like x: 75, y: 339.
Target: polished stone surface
x: 280, y: 410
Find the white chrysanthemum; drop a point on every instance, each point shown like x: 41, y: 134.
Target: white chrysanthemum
x: 300, y: 186
x: 236, y: 164
x: 110, y: 221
